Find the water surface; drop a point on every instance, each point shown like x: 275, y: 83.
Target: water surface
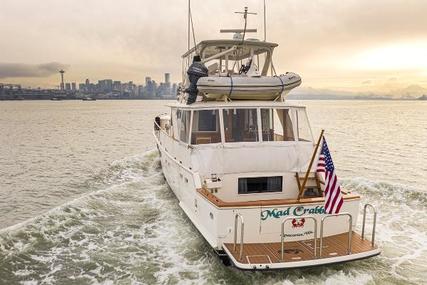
x: 83, y: 199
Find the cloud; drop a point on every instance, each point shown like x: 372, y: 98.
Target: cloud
x: 131, y: 39
x: 9, y: 70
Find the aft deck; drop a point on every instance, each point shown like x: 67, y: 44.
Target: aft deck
x: 300, y: 253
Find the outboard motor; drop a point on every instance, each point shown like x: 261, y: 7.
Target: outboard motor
x: 196, y: 70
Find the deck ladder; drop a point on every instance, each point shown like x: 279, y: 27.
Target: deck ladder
x: 283, y: 234
x: 238, y: 218
x: 374, y: 222
x: 350, y: 226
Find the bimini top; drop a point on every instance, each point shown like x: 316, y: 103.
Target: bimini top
x: 209, y: 48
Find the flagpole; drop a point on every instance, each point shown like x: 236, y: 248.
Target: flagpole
x: 301, y: 190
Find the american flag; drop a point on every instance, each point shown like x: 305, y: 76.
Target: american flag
x: 334, y: 199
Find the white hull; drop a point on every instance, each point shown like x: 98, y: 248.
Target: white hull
x: 216, y: 224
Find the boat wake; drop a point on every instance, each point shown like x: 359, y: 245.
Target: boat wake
x: 129, y: 228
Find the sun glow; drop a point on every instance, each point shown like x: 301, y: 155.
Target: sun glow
x: 402, y: 56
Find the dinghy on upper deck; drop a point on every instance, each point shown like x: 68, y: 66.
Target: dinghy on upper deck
x: 238, y: 69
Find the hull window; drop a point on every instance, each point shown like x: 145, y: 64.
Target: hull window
x: 240, y: 125
x: 260, y: 184
x: 205, y: 127
x: 276, y: 125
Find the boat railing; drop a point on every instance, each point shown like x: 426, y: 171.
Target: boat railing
x: 350, y: 226
x: 157, y: 127
x: 195, y: 175
x: 238, y: 218
x: 283, y: 234
x: 374, y: 222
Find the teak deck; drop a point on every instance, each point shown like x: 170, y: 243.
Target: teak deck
x: 333, y: 246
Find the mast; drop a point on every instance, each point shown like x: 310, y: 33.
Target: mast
x: 265, y: 24
x: 188, y: 25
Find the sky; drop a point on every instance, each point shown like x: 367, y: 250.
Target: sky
x: 353, y: 45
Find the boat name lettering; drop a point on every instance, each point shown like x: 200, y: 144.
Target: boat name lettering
x: 294, y: 211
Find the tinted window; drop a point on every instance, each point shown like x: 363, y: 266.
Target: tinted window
x: 260, y: 184
x: 183, y: 125
x: 277, y: 125
x: 240, y: 125
x: 205, y: 127
x: 207, y: 120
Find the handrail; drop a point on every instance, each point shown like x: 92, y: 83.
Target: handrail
x: 160, y: 128
x: 283, y: 234
x: 242, y: 229
x: 374, y: 224
x: 233, y: 48
x: 350, y: 226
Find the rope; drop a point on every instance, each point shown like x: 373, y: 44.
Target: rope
x: 282, y: 84
x: 231, y: 86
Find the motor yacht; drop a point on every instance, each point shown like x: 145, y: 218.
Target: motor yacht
x: 241, y: 161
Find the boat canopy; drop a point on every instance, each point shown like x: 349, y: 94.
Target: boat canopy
x: 227, y: 57
x: 210, y: 48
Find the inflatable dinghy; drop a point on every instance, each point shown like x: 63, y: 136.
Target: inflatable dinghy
x: 246, y: 87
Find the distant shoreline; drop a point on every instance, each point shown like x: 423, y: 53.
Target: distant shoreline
x: 81, y: 99
x: 172, y: 99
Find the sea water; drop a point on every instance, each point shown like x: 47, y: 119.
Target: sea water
x: 83, y: 199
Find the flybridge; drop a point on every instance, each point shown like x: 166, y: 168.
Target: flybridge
x: 235, y: 69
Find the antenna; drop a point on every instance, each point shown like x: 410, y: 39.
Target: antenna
x: 188, y: 25
x: 245, y: 16
x: 265, y: 23
x: 245, y: 13
x: 237, y: 31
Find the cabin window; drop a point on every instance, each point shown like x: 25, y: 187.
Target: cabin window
x: 240, y: 125
x: 303, y: 127
x: 260, y: 184
x: 277, y: 125
x: 205, y: 127
x: 183, y: 119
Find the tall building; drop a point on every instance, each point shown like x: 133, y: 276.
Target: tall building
x: 105, y: 85
x: 67, y: 86
x: 62, y: 79
x: 117, y: 86
x: 167, y: 78
x: 73, y: 86
x: 147, y: 80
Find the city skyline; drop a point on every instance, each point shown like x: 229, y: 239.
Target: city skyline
x: 357, y: 46
x: 98, y: 89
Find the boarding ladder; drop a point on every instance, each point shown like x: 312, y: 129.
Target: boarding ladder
x: 374, y: 223
x: 238, y: 218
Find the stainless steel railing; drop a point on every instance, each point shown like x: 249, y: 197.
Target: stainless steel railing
x: 350, y: 226
x: 283, y: 234
x: 238, y: 217
x: 374, y: 223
